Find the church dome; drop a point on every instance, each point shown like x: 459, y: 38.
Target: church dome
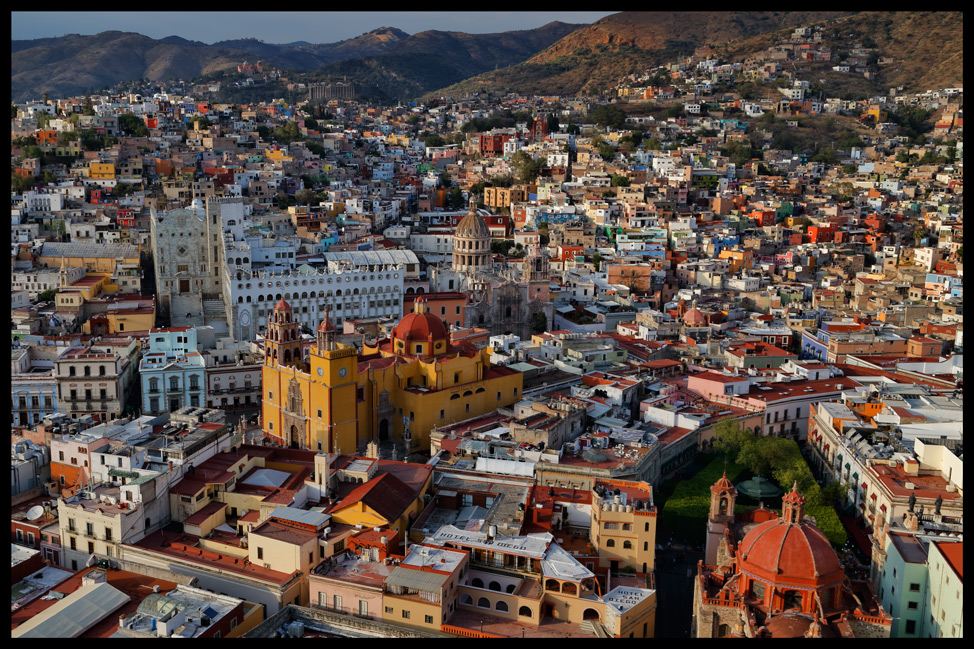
x: 472, y: 226
x: 419, y: 326
x: 695, y: 317
x: 790, y: 550
x: 282, y: 305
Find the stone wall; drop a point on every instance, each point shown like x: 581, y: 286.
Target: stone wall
x: 341, y: 625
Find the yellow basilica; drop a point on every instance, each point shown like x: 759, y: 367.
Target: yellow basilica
x: 329, y: 397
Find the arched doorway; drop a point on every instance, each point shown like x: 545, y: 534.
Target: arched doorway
x: 590, y: 614
x: 383, y: 430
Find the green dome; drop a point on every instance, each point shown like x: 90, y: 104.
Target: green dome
x: 758, y: 488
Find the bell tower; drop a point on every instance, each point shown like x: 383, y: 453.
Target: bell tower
x: 282, y: 346
x: 793, y: 506
x: 723, y: 496
x: 326, y: 335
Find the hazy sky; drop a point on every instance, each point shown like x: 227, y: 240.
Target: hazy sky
x: 281, y: 26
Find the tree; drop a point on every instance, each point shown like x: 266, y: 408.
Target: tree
x: 730, y: 438
x: 130, y: 124
x: 434, y: 141
x: 619, y: 181
x: 455, y: 198
x: 539, y: 322
x: 597, y: 261
x: 305, y: 196
x: 608, y: 116
x: 552, y: 123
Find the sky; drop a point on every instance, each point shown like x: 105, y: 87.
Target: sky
x: 280, y: 26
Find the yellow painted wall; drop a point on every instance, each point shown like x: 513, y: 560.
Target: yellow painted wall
x: 348, y: 404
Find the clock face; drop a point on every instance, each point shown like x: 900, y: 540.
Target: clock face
x: 342, y: 372
x: 321, y: 371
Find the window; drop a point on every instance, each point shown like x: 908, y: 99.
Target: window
x: 260, y: 553
x: 912, y: 605
x: 405, y: 614
x: 911, y: 627
x: 914, y: 588
x: 337, y: 602
x: 429, y: 619
x: 363, y: 607
x: 388, y: 609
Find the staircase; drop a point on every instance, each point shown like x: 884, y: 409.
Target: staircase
x: 594, y: 627
x: 215, y: 315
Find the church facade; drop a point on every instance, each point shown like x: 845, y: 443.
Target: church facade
x: 328, y: 396
x: 503, y: 300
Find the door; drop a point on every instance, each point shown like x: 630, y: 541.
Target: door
x: 184, y: 286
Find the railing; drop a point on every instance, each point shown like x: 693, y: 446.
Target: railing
x: 467, y: 633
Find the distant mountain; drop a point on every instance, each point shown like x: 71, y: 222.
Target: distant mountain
x: 71, y: 64
x: 597, y: 56
x: 396, y: 64
x: 428, y: 60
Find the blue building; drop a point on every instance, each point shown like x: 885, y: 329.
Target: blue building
x: 172, y: 371
x: 33, y: 388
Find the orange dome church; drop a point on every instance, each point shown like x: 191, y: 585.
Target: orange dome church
x: 777, y: 576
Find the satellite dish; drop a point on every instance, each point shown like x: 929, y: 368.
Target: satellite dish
x: 35, y: 512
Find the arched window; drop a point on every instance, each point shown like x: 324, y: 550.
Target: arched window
x: 477, y: 582
x: 501, y: 606
x: 71, y: 371
x: 611, y: 543
x: 494, y: 585
x: 792, y: 599
x: 483, y: 602
x: 524, y: 611
x: 466, y: 600
x: 87, y: 370
x: 627, y: 545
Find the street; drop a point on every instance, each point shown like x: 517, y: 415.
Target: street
x: 674, y: 596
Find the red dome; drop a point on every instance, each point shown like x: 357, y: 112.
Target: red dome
x: 282, y: 305
x: 695, y: 317
x: 420, y: 327
x: 777, y: 551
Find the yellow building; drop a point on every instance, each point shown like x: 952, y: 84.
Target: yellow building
x: 333, y: 398
x: 739, y: 259
x: 101, y: 170
x: 623, y: 527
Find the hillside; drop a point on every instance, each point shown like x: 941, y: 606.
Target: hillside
x: 593, y: 58
x: 398, y: 65
x: 427, y: 60
x: 71, y: 64
x: 926, y: 48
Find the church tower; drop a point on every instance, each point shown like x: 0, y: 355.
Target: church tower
x: 723, y: 496
x: 282, y: 346
x: 793, y: 506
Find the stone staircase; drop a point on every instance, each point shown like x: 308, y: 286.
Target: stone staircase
x: 594, y: 627
x: 215, y: 315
